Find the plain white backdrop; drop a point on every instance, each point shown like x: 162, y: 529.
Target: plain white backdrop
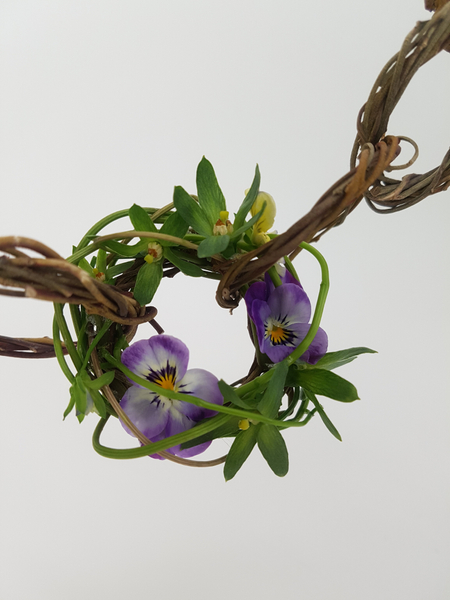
x: 106, y: 103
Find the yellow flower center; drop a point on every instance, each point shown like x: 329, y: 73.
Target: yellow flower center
x: 166, y: 381
x: 278, y: 335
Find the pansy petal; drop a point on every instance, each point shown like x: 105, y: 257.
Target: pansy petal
x: 160, y: 352
x: 285, y: 276
x: 204, y: 385
x: 188, y: 452
x: 177, y: 423
x: 146, y: 410
x: 277, y: 352
x: 289, y: 304
x: 261, y: 312
x: 318, y: 346
x: 316, y: 350
x: 257, y: 291
x: 289, y: 278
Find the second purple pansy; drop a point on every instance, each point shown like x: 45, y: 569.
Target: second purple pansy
x: 163, y: 360
x: 281, y: 316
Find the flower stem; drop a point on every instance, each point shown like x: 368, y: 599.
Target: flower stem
x: 60, y: 354
x: 276, y: 280
x: 254, y: 416
x: 155, y: 447
x: 62, y: 325
x: 320, y: 305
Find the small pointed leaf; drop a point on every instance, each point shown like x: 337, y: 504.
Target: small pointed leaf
x: 210, y: 196
x: 323, y: 383
x: 332, y: 360
x: 213, y: 244
x: 325, y: 418
x: 126, y: 250
x: 140, y: 219
x: 238, y: 232
x: 99, y: 403
x: 273, y: 448
x: 229, y: 395
x: 96, y: 384
x: 191, y: 212
x: 147, y: 282
x: 249, y: 200
x: 174, y: 225
x: 240, y: 450
x: 271, y: 401
x: 185, y: 267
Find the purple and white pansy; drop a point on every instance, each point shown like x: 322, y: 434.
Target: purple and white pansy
x: 163, y: 360
x: 281, y: 316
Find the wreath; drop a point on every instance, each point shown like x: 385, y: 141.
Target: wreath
x: 108, y: 283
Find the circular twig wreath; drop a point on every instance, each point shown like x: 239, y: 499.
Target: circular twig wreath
x: 109, y: 281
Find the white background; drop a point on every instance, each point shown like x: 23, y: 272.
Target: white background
x: 106, y: 103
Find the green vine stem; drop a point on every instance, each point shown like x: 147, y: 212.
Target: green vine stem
x: 320, y: 305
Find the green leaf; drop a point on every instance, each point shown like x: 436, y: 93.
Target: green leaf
x: 78, y: 397
x: 174, y: 225
x: 326, y: 420
x: 147, y: 282
x: 96, y: 384
x: 238, y: 232
x: 101, y: 260
x: 323, y: 383
x: 249, y: 199
x: 71, y: 402
x: 99, y: 403
x: 140, y: 219
x: 185, y: 267
x: 228, y: 429
x: 191, y: 212
x: 332, y: 360
x: 83, y: 264
x: 229, y: 395
x: 210, y: 195
x: 271, y: 401
x: 240, y: 450
x: 124, y: 249
x: 213, y: 244
x: 273, y: 448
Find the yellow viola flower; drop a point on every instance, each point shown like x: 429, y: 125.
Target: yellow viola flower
x: 266, y: 220
x: 155, y: 252
x: 223, y: 224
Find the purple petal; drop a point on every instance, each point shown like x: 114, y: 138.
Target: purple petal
x: 147, y: 357
x: 316, y: 350
x: 261, y: 313
x: 278, y: 352
x: 285, y: 276
x: 177, y: 423
x: 146, y: 410
x: 318, y: 346
x: 257, y: 291
x: 289, y: 278
x: 204, y: 385
x: 289, y: 303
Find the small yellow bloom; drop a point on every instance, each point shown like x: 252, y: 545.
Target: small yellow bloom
x: 223, y: 224
x: 98, y: 274
x: 244, y: 424
x: 155, y: 252
x: 266, y: 220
